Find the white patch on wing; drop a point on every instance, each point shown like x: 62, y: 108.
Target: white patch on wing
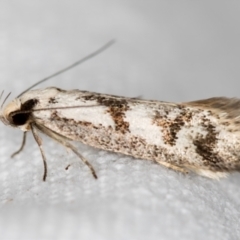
x: 141, y: 125
x: 96, y: 115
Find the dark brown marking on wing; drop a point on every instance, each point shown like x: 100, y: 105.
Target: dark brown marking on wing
x: 60, y: 90
x: 170, y: 128
x: 205, y: 146
x: 52, y: 100
x: 117, y: 108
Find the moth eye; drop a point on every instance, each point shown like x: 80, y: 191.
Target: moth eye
x: 20, y: 118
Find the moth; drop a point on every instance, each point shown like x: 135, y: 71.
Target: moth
x: 200, y: 136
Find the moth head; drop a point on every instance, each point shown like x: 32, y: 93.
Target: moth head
x: 17, y: 114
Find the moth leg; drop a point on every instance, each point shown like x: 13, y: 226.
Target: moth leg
x: 69, y: 145
x: 173, y: 167
x: 22, y: 145
x: 65, y: 143
x: 39, y: 142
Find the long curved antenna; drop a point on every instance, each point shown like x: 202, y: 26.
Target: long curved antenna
x: 107, y: 45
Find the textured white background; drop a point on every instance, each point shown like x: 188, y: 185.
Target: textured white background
x: 166, y: 50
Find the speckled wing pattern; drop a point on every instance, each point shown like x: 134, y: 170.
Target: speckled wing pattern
x: 200, y: 136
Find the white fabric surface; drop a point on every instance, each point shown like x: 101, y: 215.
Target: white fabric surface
x: 165, y: 50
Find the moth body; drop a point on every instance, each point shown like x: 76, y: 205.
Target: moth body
x: 201, y: 136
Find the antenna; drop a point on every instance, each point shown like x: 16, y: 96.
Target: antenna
x: 104, y: 47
